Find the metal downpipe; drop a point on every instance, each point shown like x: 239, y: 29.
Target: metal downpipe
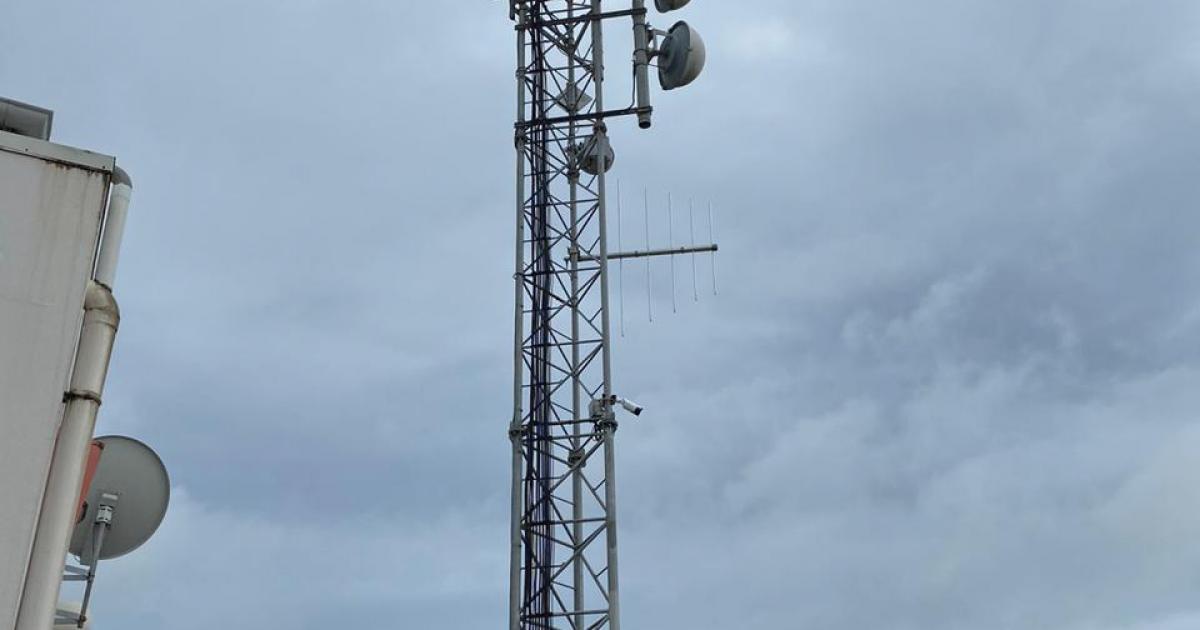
x: 40, y: 597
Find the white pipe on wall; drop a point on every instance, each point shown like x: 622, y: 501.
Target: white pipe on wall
x: 59, y: 504
x: 114, y: 228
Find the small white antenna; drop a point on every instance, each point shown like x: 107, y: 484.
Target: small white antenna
x: 620, y: 263
x: 692, y: 232
x: 649, y: 280
x: 711, y: 239
x: 671, y: 245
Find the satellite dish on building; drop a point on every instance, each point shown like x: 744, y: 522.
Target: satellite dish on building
x: 131, y: 489
x: 124, y: 505
x: 681, y: 56
x: 665, y: 6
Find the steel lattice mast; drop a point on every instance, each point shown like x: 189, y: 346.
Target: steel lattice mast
x: 563, y: 532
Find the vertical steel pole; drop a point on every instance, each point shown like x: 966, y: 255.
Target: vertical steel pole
x: 608, y: 426
x: 610, y: 500
x: 575, y: 460
x: 514, y: 431
x: 641, y: 62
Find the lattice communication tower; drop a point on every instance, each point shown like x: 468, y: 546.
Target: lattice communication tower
x: 563, y: 571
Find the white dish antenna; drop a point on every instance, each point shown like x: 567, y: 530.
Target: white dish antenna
x: 132, y: 489
x: 670, y: 5
x: 588, y: 153
x: 681, y: 57
x: 123, y: 507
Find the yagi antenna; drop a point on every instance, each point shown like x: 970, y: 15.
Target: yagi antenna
x: 672, y: 250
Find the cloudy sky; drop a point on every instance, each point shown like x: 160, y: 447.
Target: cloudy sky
x: 949, y: 382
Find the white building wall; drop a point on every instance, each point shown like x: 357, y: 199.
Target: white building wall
x: 52, y: 200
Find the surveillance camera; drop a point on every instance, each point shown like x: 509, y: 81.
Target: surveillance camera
x: 631, y: 406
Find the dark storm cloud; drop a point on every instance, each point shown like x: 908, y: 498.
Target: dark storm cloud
x: 949, y: 381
